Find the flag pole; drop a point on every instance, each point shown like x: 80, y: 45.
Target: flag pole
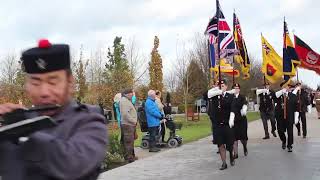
x: 297, y: 66
x: 233, y: 80
x: 218, y: 44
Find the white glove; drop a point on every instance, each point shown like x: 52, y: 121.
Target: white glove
x: 232, y: 91
x: 260, y: 91
x: 296, y: 117
x: 295, y: 91
x: 214, y: 92
x: 231, y: 119
x: 244, y: 110
x: 309, y: 107
x: 280, y: 92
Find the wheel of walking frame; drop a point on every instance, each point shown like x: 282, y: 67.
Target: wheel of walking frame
x: 179, y: 142
x: 145, y: 144
x: 173, y: 143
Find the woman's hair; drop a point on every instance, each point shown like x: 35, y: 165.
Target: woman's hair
x: 117, y: 97
x: 158, y: 92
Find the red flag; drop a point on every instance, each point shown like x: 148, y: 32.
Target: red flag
x: 309, y: 58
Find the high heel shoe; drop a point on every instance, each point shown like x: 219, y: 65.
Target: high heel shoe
x: 224, y: 166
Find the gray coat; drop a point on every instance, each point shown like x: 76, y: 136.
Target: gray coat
x: 73, y: 150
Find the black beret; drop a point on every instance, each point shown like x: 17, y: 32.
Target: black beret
x: 236, y: 85
x: 46, y: 57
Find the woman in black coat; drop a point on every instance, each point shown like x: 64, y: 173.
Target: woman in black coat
x: 238, y: 113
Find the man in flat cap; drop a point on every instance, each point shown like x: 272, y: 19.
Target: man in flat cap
x: 221, y: 108
x: 75, y: 147
x: 129, y: 120
x: 267, y: 109
x: 286, y: 113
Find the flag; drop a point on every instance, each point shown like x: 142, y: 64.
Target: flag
x: 290, y: 57
x: 212, y: 28
x: 309, y: 58
x: 272, y: 62
x: 219, y: 28
x: 225, y: 37
x: 243, y: 58
x: 226, y: 68
x: 212, y: 54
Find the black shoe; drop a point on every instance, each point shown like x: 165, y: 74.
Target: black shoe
x: 289, y: 149
x: 283, y: 146
x: 299, y: 133
x: 245, y: 151
x: 232, y: 160
x: 304, y: 137
x: 218, y: 152
x: 235, y: 156
x: 224, y: 166
x: 274, y: 134
x: 267, y: 137
x: 154, y: 150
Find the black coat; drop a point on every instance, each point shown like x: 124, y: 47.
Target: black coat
x: 240, y: 122
x: 221, y: 108
x: 291, y: 107
x: 266, y: 101
x: 303, y: 101
x: 236, y: 106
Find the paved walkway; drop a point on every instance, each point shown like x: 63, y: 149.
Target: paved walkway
x: 199, y: 161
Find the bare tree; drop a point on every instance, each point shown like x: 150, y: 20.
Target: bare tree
x: 171, y: 81
x: 182, y: 63
x: 138, y: 63
x: 9, y: 68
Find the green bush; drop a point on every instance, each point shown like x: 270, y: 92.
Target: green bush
x: 115, y: 151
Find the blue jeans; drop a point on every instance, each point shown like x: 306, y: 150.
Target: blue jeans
x: 153, y: 133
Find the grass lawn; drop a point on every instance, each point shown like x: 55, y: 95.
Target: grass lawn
x: 192, y: 131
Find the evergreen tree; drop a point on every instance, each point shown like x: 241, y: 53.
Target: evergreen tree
x: 155, y: 68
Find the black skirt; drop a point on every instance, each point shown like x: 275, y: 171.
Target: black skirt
x: 241, y: 128
x: 224, y: 135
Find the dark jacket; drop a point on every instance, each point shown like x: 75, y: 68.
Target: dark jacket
x: 291, y: 107
x: 303, y: 101
x: 73, y: 150
x: 266, y: 103
x: 237, y: 105
x: 221, y: 108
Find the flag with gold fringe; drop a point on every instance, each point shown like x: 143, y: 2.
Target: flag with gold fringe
x: 272, y: 63
x: 242, y: 58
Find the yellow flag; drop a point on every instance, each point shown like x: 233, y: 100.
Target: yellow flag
x: 272, y: 62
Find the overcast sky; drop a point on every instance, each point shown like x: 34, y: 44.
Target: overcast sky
x: 95, y: 23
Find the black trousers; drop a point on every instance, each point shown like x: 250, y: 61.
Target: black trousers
x: 153, y: 133
x: 283, y: 126
x: 302, y: 117
x: 163, y: 131
x: 265, y: 116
